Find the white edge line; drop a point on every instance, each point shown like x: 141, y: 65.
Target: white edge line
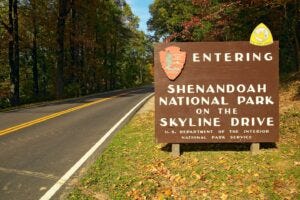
x: 79, y: 163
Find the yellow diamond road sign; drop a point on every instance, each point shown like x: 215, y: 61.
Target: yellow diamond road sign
x: 261, y: 36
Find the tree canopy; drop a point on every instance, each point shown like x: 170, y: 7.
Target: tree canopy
x: 228, y: 20
x: 65, y: 48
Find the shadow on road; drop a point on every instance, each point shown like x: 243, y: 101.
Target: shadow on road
x: 86, y: 99
x: 218, y: 147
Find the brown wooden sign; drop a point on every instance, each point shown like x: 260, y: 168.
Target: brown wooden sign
x: 216, y: 92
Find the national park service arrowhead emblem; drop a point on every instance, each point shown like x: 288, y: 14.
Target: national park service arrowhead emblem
x: 261, y: 36
x: 172, y: 61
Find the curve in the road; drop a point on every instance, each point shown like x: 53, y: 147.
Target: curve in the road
x: 54, y: 115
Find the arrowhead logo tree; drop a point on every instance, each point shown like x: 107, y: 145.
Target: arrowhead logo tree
x: 172, y: 61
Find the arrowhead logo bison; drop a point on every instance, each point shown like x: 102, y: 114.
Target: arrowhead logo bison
x: 172, y: 61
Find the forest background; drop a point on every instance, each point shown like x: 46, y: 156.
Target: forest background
x: 54, y: 49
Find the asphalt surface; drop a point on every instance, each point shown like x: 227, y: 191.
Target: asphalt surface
x: 33, y: 159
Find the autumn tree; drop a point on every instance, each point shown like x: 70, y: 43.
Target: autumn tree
x: 13, y: 50
x: 229, y: 20
x: 69, y: 48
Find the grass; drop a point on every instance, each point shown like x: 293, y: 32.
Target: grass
x: 135, y: 167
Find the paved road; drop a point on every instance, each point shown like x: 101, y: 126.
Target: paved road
x: 34, y: 158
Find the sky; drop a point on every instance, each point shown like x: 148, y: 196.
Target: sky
x: 140, y: 8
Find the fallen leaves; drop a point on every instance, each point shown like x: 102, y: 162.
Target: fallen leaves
x: 253, y: 189
x: 224, y: 196
x: 296, y: 163
x: 147, y: 171
x: 201, y: 177
x: 286, y: 187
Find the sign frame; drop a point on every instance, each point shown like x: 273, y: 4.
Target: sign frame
x: 212, y: 63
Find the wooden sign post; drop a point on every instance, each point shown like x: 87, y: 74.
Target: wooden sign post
x: 216, y: 92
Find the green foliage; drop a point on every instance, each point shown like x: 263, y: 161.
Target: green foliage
x: 103, y: 49
x: 199, y: 33
x: 167, y: 16
x: 4, y: 92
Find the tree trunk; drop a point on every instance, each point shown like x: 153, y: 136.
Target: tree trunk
x: 61, y: 23
x: 297, y: 51
x: 13, y: 51
x: 74, y: 47
x: 44, y: 77
x: 297, y: 34
x: 105, y: 63
x: 82, y: 79
x: 114, y: 66
x: 34, y: 52
x: 17, y: 52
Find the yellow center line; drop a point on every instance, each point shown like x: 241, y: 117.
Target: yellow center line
x: 54, y: 115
